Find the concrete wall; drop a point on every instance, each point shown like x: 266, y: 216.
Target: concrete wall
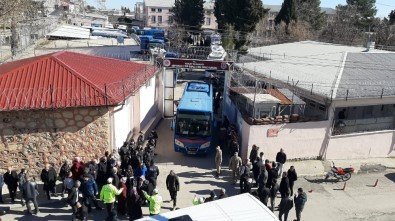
x: 147, y: 98
x: 122, y: 121
x: 299, y: 140
x: 31, y: 138
x: 363, y: 145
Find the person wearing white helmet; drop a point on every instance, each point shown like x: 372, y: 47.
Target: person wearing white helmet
x: 108, y: 195
x: 155, y: 202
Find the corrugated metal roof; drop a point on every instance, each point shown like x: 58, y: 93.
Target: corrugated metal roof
x: 367, y: 75
x: 309, y: 62
x: 70, y: 31
x: 68, y: 79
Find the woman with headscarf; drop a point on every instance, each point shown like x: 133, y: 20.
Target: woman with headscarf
x: 122, y: 197
x: 134, y: 207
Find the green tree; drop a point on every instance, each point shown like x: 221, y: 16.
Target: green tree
x: 365, y: 8
x: 242, y: 16
x: 287, y: 13
x: 309, y: 11
x: 189, y: 13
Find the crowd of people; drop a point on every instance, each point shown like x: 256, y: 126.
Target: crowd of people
x: 127, y: 178
x: 256, y: 171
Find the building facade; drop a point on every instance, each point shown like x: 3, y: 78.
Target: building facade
x: 61, y: 105
x: 158, y: 13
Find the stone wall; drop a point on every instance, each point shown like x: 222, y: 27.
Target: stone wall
x: 29, y: 139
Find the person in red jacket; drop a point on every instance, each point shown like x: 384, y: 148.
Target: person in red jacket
x: 77, y: 169
x: 122, y: 197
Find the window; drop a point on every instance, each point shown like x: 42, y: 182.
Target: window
x: 153, y: 10
x: 160, y: 19
x: 153, y: 19
x: 159, y: 10
x: 208, y: 21
x: 170, y: 19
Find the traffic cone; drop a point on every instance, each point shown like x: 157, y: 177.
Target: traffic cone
x: 344, y: 187
x: 375, y: 184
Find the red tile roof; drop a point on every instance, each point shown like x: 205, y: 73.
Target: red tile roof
x: 68, y: 79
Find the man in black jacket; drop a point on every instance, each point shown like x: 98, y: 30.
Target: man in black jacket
x: 102, y: 173
x: 300, y: 200
x: 30, y: 193
x: 281, y: 158
x: 152, y: 173
x: 263, y: 194
x: 48, y: 177
x: 284, y: 207
x: 292, y: 177
x: 72, y: 198
x: 244, y: 175
x: 11, y: 180
x: 22, y: 178
x: 173, y: 185
x: 272, y: 175
x: 284, y: 185
x: 63, y: 174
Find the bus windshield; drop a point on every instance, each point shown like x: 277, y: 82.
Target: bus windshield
x: 193, y: 124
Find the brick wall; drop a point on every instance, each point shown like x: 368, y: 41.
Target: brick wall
x: 28, y: 139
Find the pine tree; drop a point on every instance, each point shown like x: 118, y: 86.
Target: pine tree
x: 309, y: 11
x: 189, y: 13
x: 287, y: 13
x: 242, y: 15
x: 391, y: 17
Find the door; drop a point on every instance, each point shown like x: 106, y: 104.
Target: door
x: 169, y: 93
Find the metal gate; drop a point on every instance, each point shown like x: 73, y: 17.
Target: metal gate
x: 169, y: 85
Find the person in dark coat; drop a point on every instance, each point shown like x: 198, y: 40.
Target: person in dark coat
x: 254, y: 153
x: 222, y: 194
x: 256, y: 170
x: 284, y: 207
x: 93, y: 168
x: 264, y: 193
x: 154, y: 137
x: 244, y: 175
x: 273, y: 193
x: 30, y: 193
x: 72, y: 198
x: 77, y: 169
x: 262, y: 178
x: 152, y: 173
x: 89, y: 191
x: 102, y: 174
x: 122, y: 197
x: 300, y: 200
x: 11, y: 180
x: 22, y: 178
x: 134, y: 207
x: 292, y: 177
x: 124, y: 151
x: 48, y: 177
x: 115, y: 176
x: 63, y: 174
x: 272, y: 175
x: 173, y: 185
x: 284, y: 185
x: 281, y: 158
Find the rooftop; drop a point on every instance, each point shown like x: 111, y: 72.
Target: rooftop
x: 262, y: 98
x: 68, y: 79
x: 313, y: 66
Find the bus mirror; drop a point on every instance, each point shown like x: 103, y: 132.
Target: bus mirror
x: 172, y: 125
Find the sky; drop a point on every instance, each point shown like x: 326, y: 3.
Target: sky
x: 384, y: 7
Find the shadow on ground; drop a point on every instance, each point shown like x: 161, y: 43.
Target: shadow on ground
x: 390, y: 176
x: 321, y: 180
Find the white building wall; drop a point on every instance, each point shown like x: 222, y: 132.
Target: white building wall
x: 122, y: 123
x: 299, y: 140
x: 147, y: 98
